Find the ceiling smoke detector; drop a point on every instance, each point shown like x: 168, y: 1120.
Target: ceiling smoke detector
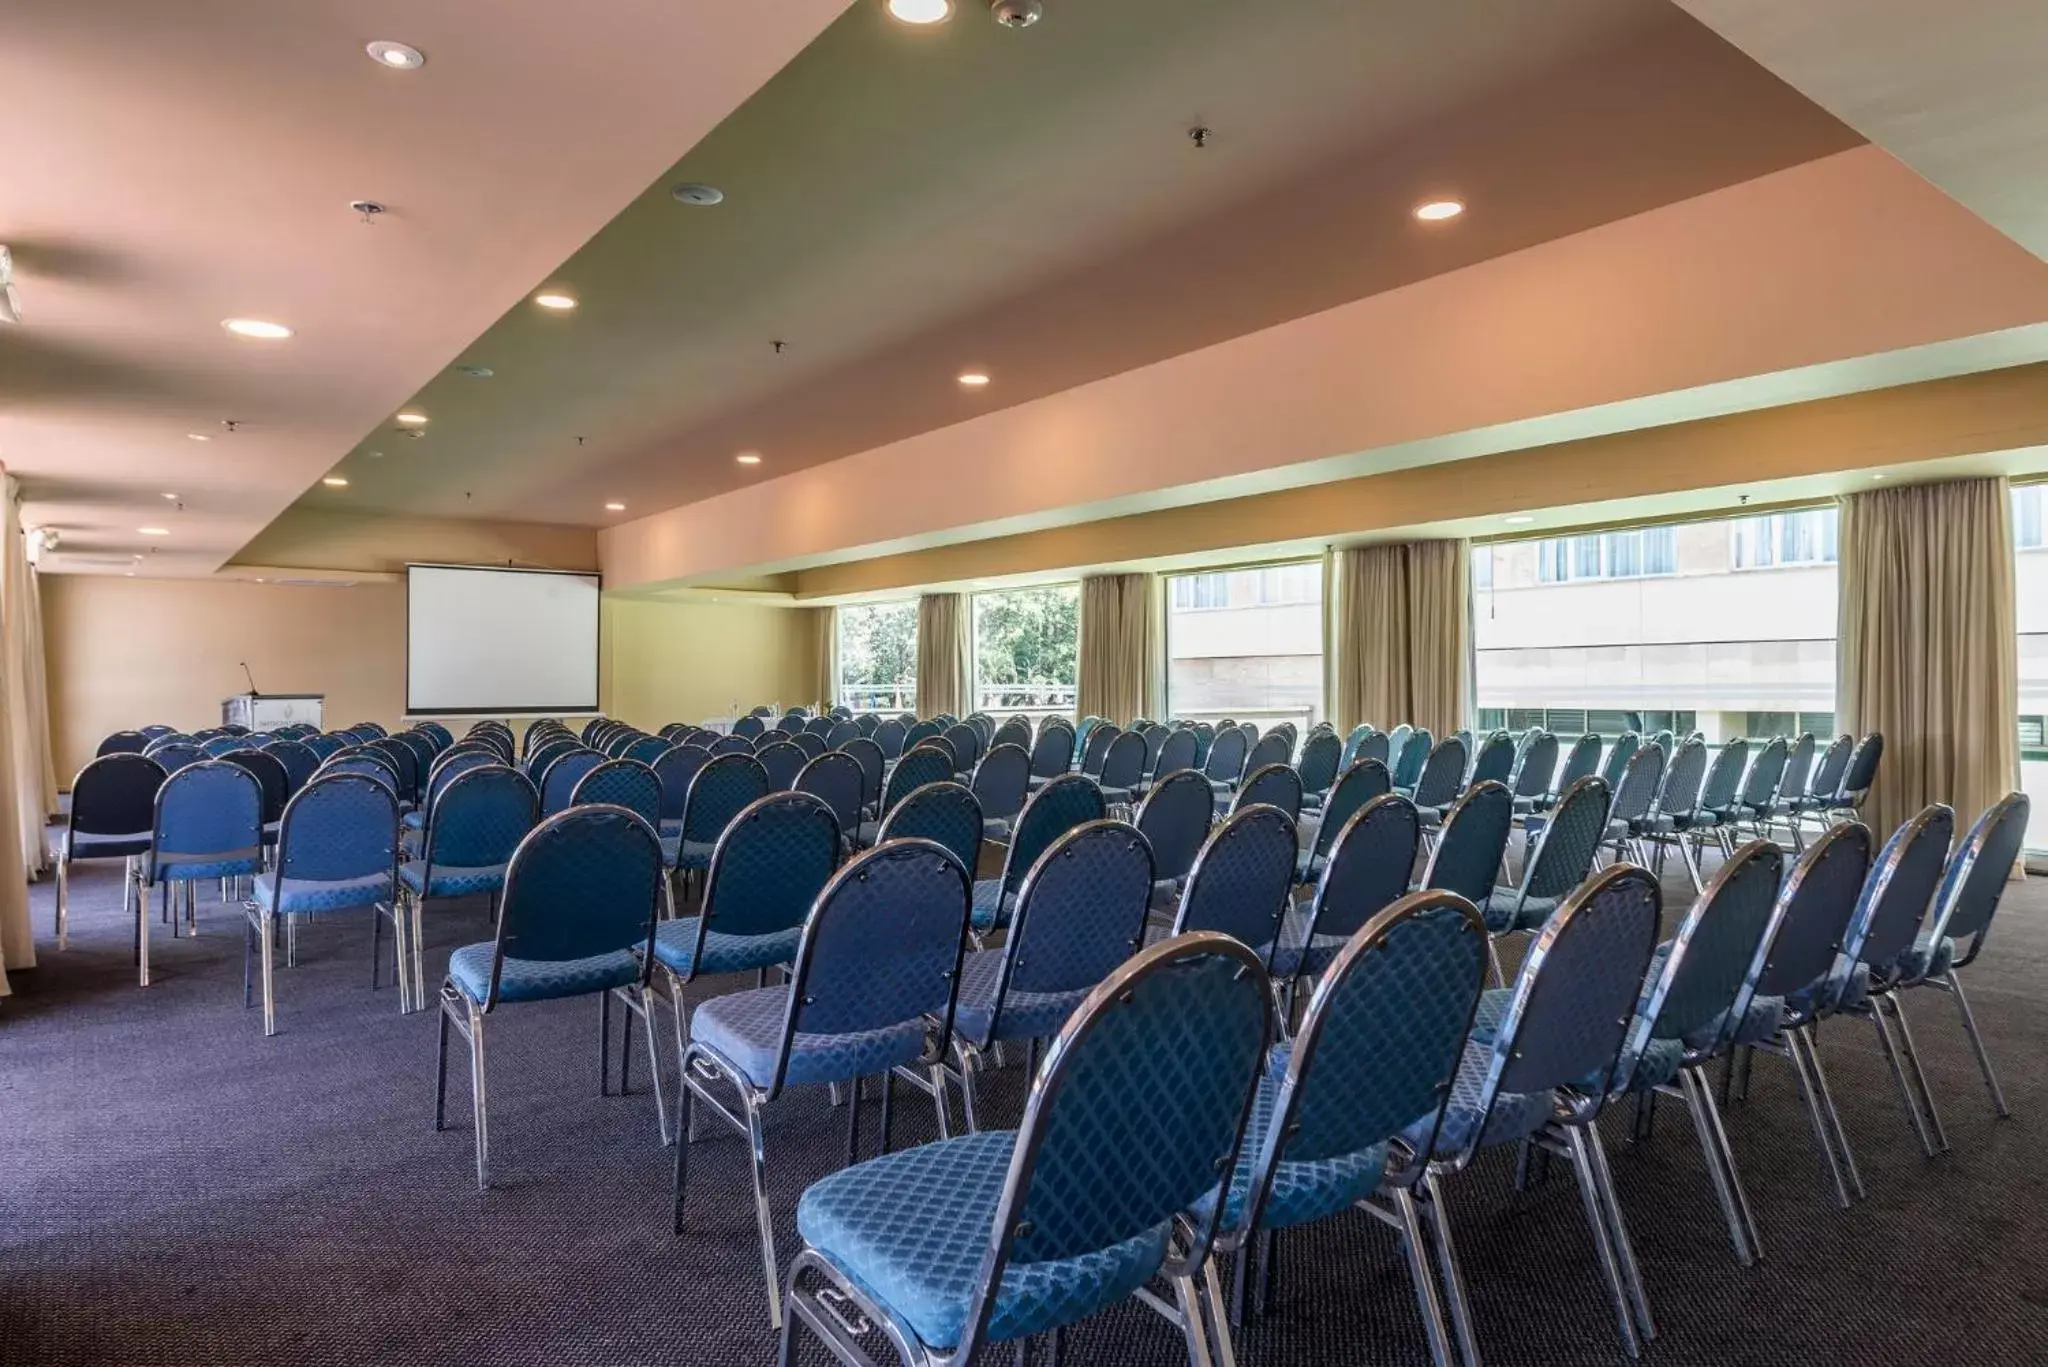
x: 697, y: 192
x: 1016, y: 13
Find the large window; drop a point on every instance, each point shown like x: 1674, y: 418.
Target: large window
x: 1027, y: 650
x: 2030, y: 580
x: 1662, y: 627
x: 878, y: 657
x: 1247, y: 644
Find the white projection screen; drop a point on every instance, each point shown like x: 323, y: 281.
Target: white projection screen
x: 499, y: 641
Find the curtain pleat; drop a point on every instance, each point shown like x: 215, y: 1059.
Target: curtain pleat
x: 824, y: 655
x: 943, y: 670
x: 24, y: 746
x: 1121, y: 645
x: 1401, y: 635
x: 1928, y: 645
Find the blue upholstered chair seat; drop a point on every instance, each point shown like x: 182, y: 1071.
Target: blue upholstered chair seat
x: 1760, y: 1021
x: 1502, y: 916
x: 746, y: 1027
x: 1926, y: 958
x: 305, y: 896
x: 995, y: 828
x: 992, y: 906
x: 225, y: 864
x: 451, y: 880
x: 1292, y: 958
x: 534, y: 980
x: 1026, y: 1015
x: 1302, y: 1192
x: 675, y: 944
x: 1516, y: 1115
x: 85, y: 846
x: 687, y: 854
x: 1851, y: 992
x: 909, y: 1229
x: 413, y: 821
x: 1431, y: 816
x: 1165, y: 894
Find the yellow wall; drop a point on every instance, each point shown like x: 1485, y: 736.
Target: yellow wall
x: 386, y: 542
x: 689, y: 661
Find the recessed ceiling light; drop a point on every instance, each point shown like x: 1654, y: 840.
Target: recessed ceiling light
x: 154, y: 531
x: 172, y: 497
x: 748, y: 457
x: 335, y: 482
x: 1437, y: 210
x: 974, y: 379
x: 412, y: 419
x: 1520, y: 520
x: 256, y: 327
x: 615, y: 507
x: 555, y: 301
x: 697, y: 192
x: 397, y: 56
x: 476, y: 372
x: 921, y: 11
x: 197, y: 436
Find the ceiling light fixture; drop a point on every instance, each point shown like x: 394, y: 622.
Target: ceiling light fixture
x: 412, y: 419
x: 1437, y: 210
x: 197, y: 436
x: 335, y: 482
x: 921, y: 11
x: 1520, y: 520
x: 257, y: 328
x: 552, y: 300
x: 397, y: 56
x: 698, y: 193
x: 748, y: 457
x: 1016, y: 13
x: 154, y: 531
x: 476, y: 372
x: 172, y: 497
x: 974, y: 379
x: 615, y: 507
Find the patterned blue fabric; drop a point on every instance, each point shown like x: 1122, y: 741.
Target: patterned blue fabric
x: 991, y: 905
x: 1928, y: 957
x: 451, y: 880
x: 1367, y: 871
x: 1513, y: 1116
x: 584, y: 885
x: 1001, y: 781
x: 943, y: 812
x: 229, y: 865
x: 676, y: 767
x: 1319, y: 756
x: 721, y: 790
x: 1467, y: 857
x: 1301, y: 1191
x: 770, y: 866
x: 558, y: 785
x: 1581, y: 983
x: 307, y: 898
x: 1507, y: 910
x: 909, y: 1229
x: 1976, y: 876
x: 915, y: 770
x: 675, y: 945
x: 533, y: 980
x: 746, y: 1027
x: 1820, y: 897
x: 1760, y: 1021
x: 836, y: 780
x: 1055, y: 809
x: 1361, y: 783
x: 1053, y: 754
x: 1899, y: 891
x: 209, y: 824
x: 1442, y: 775
x: 1275, y: 785
x: 1025, y: 1015
x: 782, y: 762
x: 622, y: 783
x: 1243, y: 882
x: 1175, y: 817
x: 85, y: 846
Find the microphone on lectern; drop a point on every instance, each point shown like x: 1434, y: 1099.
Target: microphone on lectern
x: 251, y: 678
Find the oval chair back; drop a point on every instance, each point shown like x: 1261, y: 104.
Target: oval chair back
x: 1242, y: 884
x: 1819, y: 898
x: 782, y: 761
x: 966, y: 743
x: 1724, y: 779
x: 1273, y: 785
x: 820, y: 727
x: 889, y: 735
x: 341, y: 831
x: 1412, y: 757
x: 450, y: 767
x: 1016, y: 731
x: 1539, y: 767
x: 944, y: 812
x: 1080, y: 913
x: 122, y: 743
x: 721, y: 790
x: 1376, y: 746
x: 1679, y: 793
x: 676, y: 767
x: 208, y: 823
x: 1319, y: 756
x: 1583, y: 761
x: 1443, y: 774
x: 621, y: 783
x: 1227, y: 755
x: 881, y: 954
x: 363, y: 760
x: 749, y: 726
x: 1277, y: 747
x: 405, y: 760
x: 441, y: 735
x: 558, y: 785
x: 1365, y: 780
x: 1977, y: 875
x: 869, y: 756
x: 1205, y: 740
x: 835, y: 779
x: 583, y: 884
x: 479, y: 818
x: 810, y: 742
x: 1618, y: 756
x: 1896, y: 898
x: 1176, y: 752
x: 840, y: 733
x: 918, y: 767
x: 732, y: 745
x: 270, y: 772
x: 1175, y: 817
x: 1123, y: 766
x: 1352, y: 741
x: 113, y: 806
x: 1100, y: 737
x: 1569, y: 841
x: 645, y: 750
x: 1798, y: 768
x: 1496, y: 759
x: 866, y: 723
x: 1862, y: 770
x: 1368, y: 869
x: 1001, y: 781
x: 922, y: 732
x: 1068, y: 801
x: 1826, y: 778
x: 1467, y: 856
x: 769, y: 867
x: 222, y: 745
x: 175, y: 755
x: 1640, y: 783
x: 299, y: 762
x: 1760, y: 788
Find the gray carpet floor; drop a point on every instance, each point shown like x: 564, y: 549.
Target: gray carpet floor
x: 177, y: 1189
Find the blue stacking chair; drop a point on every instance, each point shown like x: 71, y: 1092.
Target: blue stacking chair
x: 112, y: 812
x: 946, y: 813
x: 1068, y: 801
x: 448, y: 767
x: 1630, y: 816
x: 276, y: 783
x: 1821, y: 784
x: 1242, y: 884
x: 1175, y: 817
x: 1080, y: 913
x: 1438, y: 785
x: 1273, y: 785
x: 1123, y: 768
x: 299, y: 762
x: 923, y: 731
x: 1566, y: 845
x: 1319, y: 766
x: 1276, y: 747
x: 1052, y: 754
x: 442, y: 736
x: 835, y: 778
x: 1793, y: 990
x: 1541, y: 1070
x: 890, y: 735
x: 841, y: 732
x: 1001, y: 783
x: 767, y: 869
x: 1177, y: 754
x: 1675, y: 809
x: 208, y: 824
x: 966, y: 743
x: 877, y: 967
x: 1224, y: 768
x: 1410, y: 756
x: 810, y: 743
x: 337, y: 850
x: 1970, y: 891
x: 362, y: 760
x: 722, y: 789
x: 1352, y: 741
x: 220, y: 746
x: 472, y: 831
x: 1368, y: 870
x: 1205, y: 738
x: 582, y: 894
x: 1136, y: 1117
x: 1495, y: 760
x: 1616, y: 764
x: 122, y: 743
x: 749, y: 727
x: 171, y: 755
x: 646, y: 750
x: 676, y: 768
x: 1714, y: 815
x: 537, y: 762
x: 1095, y: 749
x: 1365, y: 780
x: 1467, y: 857
x: 1534, y: 770
x: 1762, y: 787
x: 621, y: 783
x: 1016, y: 731
x: 1378, y: 1047
x: 558, y: 785
x: 924, y: 764
x: 1859, y: 775
x: 732, y: 745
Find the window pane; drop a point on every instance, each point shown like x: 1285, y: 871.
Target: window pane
x: 878, y: 657
x: 2030, y: 578
x: 1027, y: 651
x: 1681, y: 640
x: 1256, y: 654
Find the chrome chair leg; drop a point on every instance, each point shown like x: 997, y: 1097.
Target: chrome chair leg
x: 1808, y: 1093
x: 1426, y: 1298
x: 1191, y: 1321
x: 1218, y: 1316
x: 1603, y: 1238
x: 939, y: 1100
x: 1697, y: 1098
x: 1727, y: 1152
x: 1624, y: 1247
x: 757, y: 1147
x: 266, y: 934
x: 1827, y: 1099
x: 63, y: 913
x: 1447, y: 1268
x: 419, y: 970
x: 1893, y: 1061
x: 1912, y: 1052
x: 1955, y: 987
x: 142, y: 928
x: 645, y: 1007
x: 479, y: 1099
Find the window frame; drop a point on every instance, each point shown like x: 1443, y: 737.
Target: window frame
x: 1321, y: 603
x: 840, y: 684
x: 974, y: 683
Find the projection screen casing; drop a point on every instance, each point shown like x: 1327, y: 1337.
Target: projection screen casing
x: 485, y: 639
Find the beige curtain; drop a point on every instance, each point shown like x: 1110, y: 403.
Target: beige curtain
x: 21, y: 654
x: 1401, y: 635
x: 824, y: 681
x: 20, y: 789
x: 944, y: 672
x: 1121, y: 647
x: 1928, y: 647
